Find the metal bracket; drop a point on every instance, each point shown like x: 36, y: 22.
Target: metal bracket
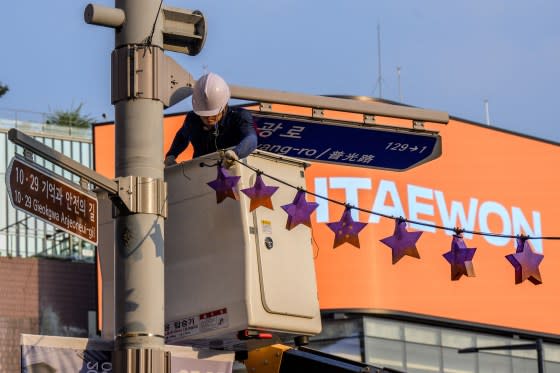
x: 139, y: 71
x: 84, y: 184
x: 318, y: 113
x: 369, y: 119
x: 139, y: 194
x: 337, y: 104
x: 265, y: 107
x: 130, y: 194
x: 31, y: 145
x: 28, y: 154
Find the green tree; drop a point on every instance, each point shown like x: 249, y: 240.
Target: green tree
x: 3, y: 89
x: 70, y: 118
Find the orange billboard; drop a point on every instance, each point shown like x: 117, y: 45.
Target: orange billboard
x: 486, y: 180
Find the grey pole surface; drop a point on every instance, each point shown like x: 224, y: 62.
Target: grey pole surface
x: 139, y: 277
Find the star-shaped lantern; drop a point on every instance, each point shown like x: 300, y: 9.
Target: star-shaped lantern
x: 346, y: 229
x: 460, y: 257
x: 402, y: 242
x: 260, y: 194
x: 224, y: 185
x: 299, y: 211
x: 526, y: 263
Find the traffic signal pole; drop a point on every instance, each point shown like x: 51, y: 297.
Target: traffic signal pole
x: 140, y: 207
x: 143, y: 81
x: 139, y: 241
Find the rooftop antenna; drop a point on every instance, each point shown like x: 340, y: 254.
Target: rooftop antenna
x: 379, y: 76
x: 487, y: 112
x: 399, y: 83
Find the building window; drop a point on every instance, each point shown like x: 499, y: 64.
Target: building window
x: 419, y: 348
x: 384, y: 353
x: 458, y: 363
x: 422, y: 358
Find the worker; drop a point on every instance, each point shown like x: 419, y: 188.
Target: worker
x: 213, y: 125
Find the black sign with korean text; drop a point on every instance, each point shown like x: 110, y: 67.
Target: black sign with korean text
x: 39, y: 192
x: 373, y: 146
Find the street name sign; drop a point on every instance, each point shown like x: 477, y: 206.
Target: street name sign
x: 43, y: 194
x: 374, y: 146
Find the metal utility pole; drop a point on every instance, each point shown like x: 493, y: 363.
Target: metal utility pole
x: 143, y: 80
x: 139, y: 240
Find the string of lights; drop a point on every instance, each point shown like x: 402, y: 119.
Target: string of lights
x: 456, y: 230
x: 402, y: 242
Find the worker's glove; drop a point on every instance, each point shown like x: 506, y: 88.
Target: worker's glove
x: 229, y: 158
x: 169, y: 160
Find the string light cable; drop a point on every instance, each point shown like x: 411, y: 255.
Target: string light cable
x: 148, y: 40
x: 456, y: 230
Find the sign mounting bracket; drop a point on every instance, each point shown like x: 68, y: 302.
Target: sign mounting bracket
x: 124, y: 192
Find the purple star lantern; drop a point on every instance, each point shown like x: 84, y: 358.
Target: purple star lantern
x: 460, y: 257
x: 346, y: 229
x: 402, y: 242
x: 526, y: 263
x: 224, y: 185
x: 260, y: 194
x: 299, y: 211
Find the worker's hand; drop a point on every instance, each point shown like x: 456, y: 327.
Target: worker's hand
x: 169, y: 160
x: 229, y: 158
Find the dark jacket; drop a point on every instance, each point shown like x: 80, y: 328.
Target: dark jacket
x: 235, y: 129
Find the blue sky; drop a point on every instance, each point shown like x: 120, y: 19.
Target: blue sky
x: 453, y: 54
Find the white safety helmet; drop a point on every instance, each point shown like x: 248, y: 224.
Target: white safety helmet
x: 210, y: 95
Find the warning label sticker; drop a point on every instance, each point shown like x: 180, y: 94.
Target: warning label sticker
x: 192, y: 325
x: 266, y: 226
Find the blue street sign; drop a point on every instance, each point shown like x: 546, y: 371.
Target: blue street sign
x: 381, y: 147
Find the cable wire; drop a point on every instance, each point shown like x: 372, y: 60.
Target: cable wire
x: 148, y: 40
x: 457, y: 230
